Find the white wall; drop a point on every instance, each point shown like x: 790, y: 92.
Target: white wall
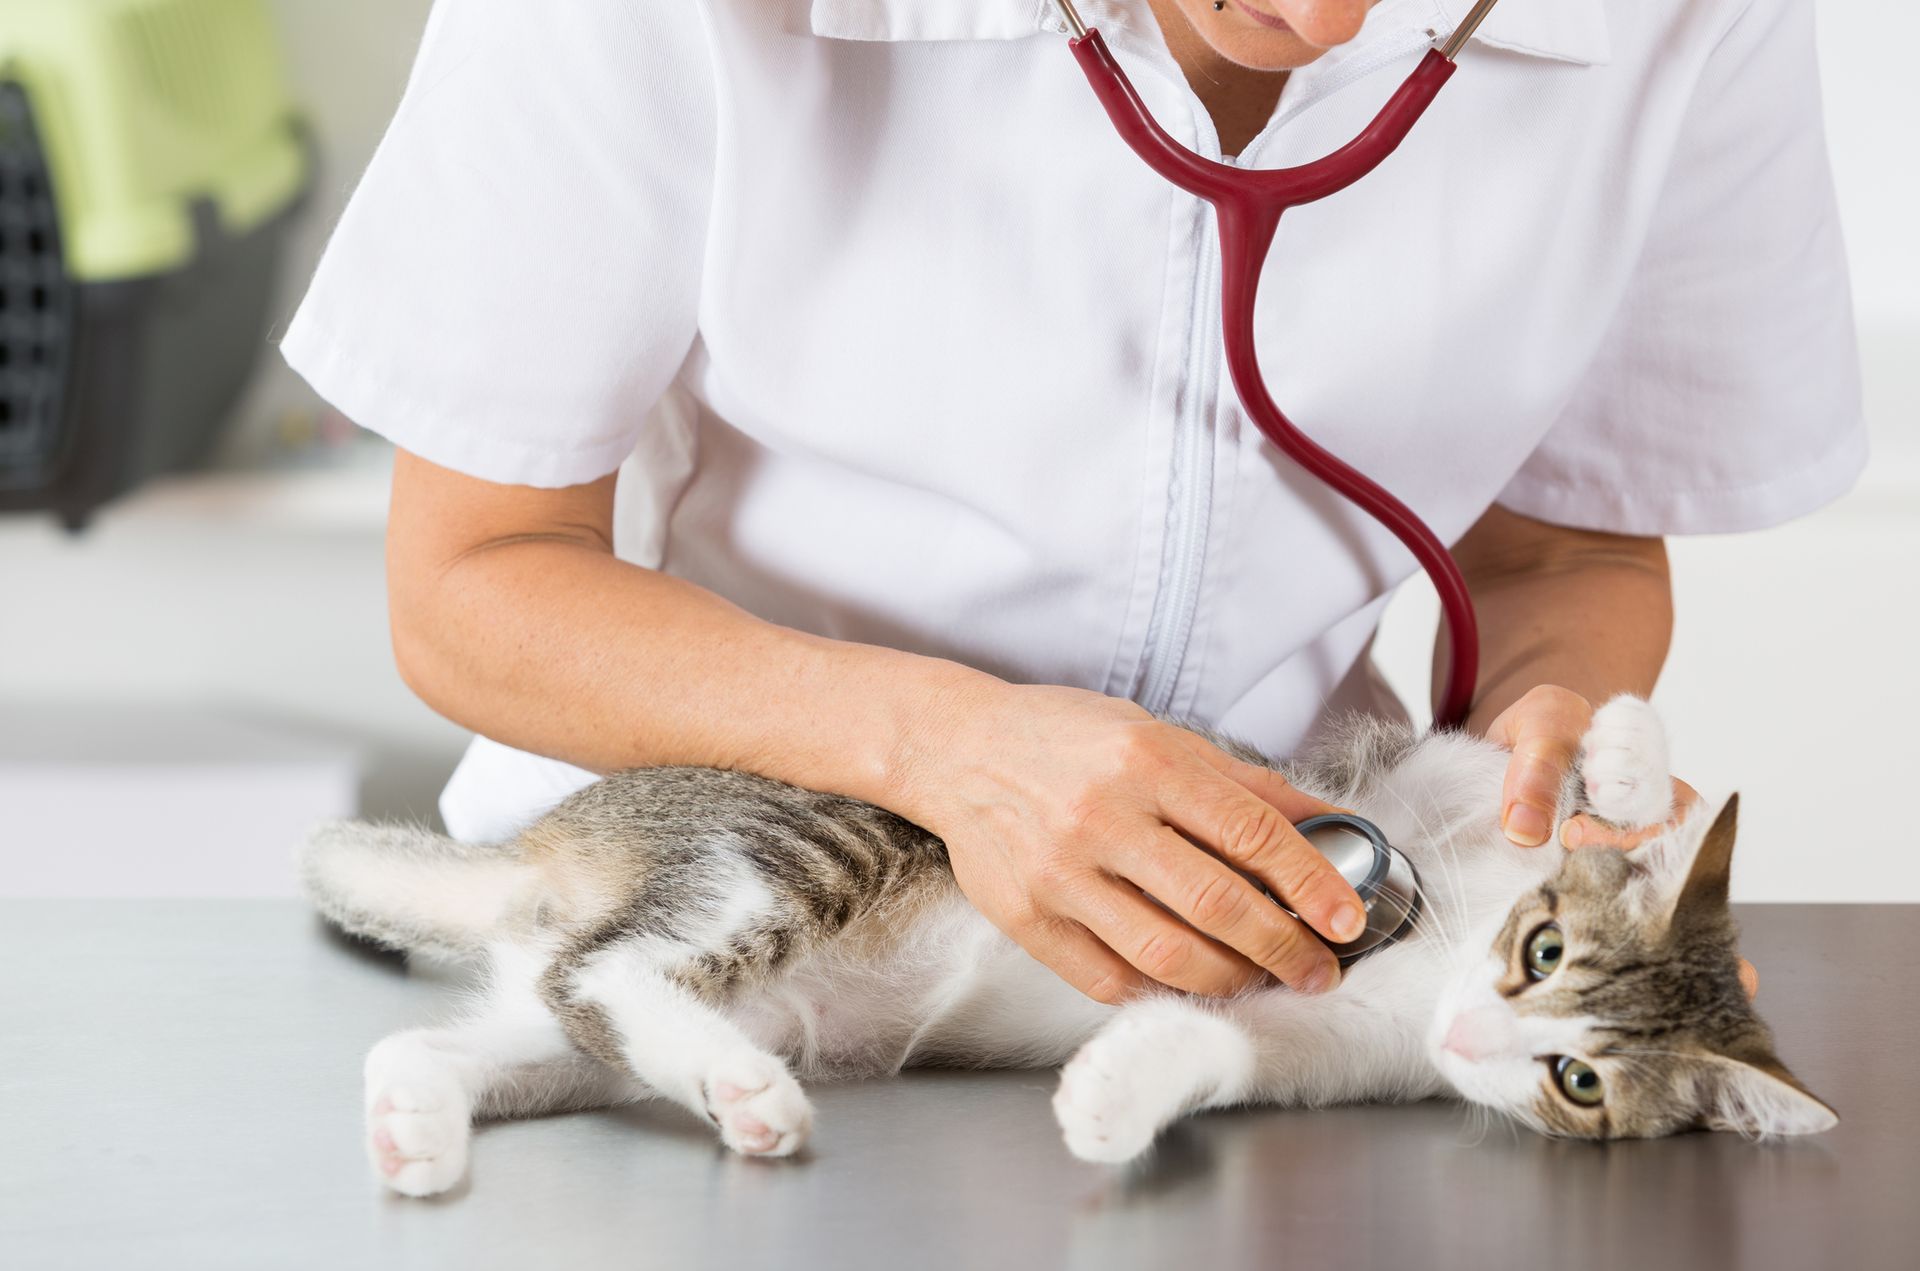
x: 1793, y: 676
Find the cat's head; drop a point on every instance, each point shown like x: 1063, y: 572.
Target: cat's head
x: 1610, y: 1005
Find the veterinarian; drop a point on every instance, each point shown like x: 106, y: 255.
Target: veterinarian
x: 822, y: 389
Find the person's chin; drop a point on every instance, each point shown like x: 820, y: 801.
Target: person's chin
x: 1259, y: 50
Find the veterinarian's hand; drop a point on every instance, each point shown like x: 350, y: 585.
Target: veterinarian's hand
x: 1544, y: 730
x: 1068, y: 814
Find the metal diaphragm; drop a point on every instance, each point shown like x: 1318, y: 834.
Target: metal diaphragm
x: 1379, y: 872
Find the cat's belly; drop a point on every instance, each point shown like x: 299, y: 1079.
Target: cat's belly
x: 950, y: 989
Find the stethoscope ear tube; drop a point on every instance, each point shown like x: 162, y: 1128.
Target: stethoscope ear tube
x: 1449, y: 49
x: 1249, y: 204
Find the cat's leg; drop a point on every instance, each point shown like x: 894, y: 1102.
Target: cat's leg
x: 720, y: 917
x: 1153, y: 1063
x: 572, y: 1083
x: 1163, y: 1059
x: 628, y: 1004
x: 1625, y: 775
x: 424, y: 1086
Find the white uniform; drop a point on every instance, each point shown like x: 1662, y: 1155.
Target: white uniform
x: 898, y: 343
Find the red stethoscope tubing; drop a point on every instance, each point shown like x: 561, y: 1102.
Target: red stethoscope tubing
x: 1248, y: 204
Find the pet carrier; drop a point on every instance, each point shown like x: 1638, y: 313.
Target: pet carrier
x: 150, y: 160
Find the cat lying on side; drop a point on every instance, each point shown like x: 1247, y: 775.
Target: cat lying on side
x: 704, y: 936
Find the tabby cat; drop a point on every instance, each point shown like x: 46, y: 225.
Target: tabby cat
x: 703, y: 936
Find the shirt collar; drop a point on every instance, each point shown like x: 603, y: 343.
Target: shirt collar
x: 1564, y: 30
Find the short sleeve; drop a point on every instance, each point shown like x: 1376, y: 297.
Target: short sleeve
x: 516, y: 279
x: 1726, y: 394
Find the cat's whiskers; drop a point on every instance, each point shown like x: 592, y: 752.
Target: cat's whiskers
x: 1480, y: 1120
x: 1449, y: 928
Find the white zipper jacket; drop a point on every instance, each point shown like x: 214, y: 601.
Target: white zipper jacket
x: 895, y: 341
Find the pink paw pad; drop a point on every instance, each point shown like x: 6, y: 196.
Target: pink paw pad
x: 756, y: 1115
x: 390, y: 1161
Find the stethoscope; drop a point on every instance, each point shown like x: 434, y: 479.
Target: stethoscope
x: 1249, y: 204
x: 1389, y: 886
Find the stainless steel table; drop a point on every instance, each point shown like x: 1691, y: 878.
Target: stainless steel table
x: 179, y: 1088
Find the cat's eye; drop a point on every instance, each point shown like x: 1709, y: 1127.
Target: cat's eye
x: 1578, y: 1081
x: 1545, y: 949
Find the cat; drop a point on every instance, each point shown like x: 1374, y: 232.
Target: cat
x: 703, y: 936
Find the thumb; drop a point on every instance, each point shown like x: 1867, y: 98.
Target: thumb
x: 1543, y: 729
x: 1531, y: 796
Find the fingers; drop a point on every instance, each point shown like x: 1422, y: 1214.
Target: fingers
x: 1586, y: 831
x: 1543, y: 729
x: 1749, y: 978
x: 1270, y: 787
x: 1159, y: 945
x: 1254, y: 835
x: 1075, y: 955
x: 1220, y: 903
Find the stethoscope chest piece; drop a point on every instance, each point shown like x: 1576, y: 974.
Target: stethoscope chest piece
x: 1379, y: 872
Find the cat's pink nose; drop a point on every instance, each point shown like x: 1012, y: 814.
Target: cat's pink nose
x: 1481, y: 1033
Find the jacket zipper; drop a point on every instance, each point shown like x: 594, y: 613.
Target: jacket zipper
x: 1189, y: 491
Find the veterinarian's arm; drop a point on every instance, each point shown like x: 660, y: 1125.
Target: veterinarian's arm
x: 512, y: 616
x: 1568, y: 618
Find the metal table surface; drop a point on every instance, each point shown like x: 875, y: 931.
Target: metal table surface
x: 179, y: 1087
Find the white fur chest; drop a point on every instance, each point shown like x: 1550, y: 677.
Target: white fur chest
x: 952, y: 989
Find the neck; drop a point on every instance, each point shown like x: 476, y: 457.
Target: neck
x: 1239, y: 101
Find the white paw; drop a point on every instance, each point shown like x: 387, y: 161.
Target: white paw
x: 418, y: 1120
x: 1107, y: 1113
x: 1623, y: 760
x: 757, y: 1105
x: 1153, y: 1063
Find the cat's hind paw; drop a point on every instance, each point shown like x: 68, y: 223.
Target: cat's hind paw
x: 758, y: 1107
x: 1624, y: 765
x: 418, y: 1123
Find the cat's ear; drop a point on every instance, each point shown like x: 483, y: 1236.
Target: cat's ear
x: 1705, y: 890
x: 1761, y: 1099
x: 1683, y: 874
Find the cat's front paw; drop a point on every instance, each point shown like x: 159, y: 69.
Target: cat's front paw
x: 1103, y: 1113
x: 758, y: 1107
x: 1153, y: 1063
x: 1624, y: 764
x: 418, y: 1120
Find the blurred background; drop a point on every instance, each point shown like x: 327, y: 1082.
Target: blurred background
x: 204, y: 669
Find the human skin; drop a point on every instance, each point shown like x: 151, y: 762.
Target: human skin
x: 1237, y: 65
x: 1063, y: 810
